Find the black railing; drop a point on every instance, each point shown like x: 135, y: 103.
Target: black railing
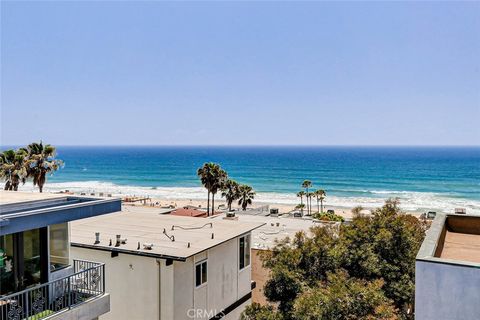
x: 87, y: 281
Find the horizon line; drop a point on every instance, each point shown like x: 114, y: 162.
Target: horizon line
x: 265, y: 145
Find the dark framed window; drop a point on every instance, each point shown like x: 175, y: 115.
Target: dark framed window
x: 200, y: 273
x: 244, y: 252
x: 23, y: 260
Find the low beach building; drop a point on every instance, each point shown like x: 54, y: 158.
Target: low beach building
x: 447, y: 275
x: 38, y: 277
x: 162, y: 266
x: 189, y: 212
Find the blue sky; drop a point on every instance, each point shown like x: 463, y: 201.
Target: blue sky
x: 377, y: 73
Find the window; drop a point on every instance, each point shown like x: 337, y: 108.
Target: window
x: 7, y: 275
x: 200, y: 273
x: 59, y: 255
x: 244, y: 252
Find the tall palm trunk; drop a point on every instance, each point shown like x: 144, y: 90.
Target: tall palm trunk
x: 310, y: 204
x: 208, y: 203
x: 306, y: 198
x: 318, y: 206
x: 321, y: 204
x: 213, y: 203
x: 301, y: 202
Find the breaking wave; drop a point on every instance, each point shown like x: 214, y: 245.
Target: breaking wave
x: 410, y: 201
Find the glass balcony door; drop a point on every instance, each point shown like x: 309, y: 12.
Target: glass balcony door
x: 24, y: 260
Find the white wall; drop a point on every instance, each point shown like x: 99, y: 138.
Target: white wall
x: 225, y: 284
x: 141, y: 288
x: 131, y: 280
x: 446, y: 291
x: 184, y: 284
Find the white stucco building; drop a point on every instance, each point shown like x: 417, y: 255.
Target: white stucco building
x: 169, y: 267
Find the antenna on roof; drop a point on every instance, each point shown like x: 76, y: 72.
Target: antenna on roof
x: 193, y: 228
x: 172, y: 237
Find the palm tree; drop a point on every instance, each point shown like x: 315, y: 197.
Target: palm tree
x: 246, y: 195
x: 212, y: 177
x: 300, y: 195
x: 219, y: 178
x: 41, y: 160
x: 206, y: 177
x: 307, y: 184
x: 230, y: 192
x: 300, y: 206
x: 321, y: 196
x: 12, y: 168
x: 309, y: 198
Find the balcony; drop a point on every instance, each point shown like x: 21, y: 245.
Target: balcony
x: 60, y: 297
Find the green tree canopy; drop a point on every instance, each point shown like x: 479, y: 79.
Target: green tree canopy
x: 363, y: 270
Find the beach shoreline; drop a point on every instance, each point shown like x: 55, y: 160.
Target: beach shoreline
x: 345, y: 212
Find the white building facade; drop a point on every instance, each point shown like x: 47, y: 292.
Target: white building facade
x: 204, y: 274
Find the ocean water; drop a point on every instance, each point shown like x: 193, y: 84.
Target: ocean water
x: 424, y: 178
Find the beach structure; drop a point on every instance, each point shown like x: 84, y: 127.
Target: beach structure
x: 189, y: 212
x: 169, y: 267
x: 447, y: 269
x: 38, y: 277
x: 264, y: 238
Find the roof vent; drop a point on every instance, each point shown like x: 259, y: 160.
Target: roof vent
x: 97, y: 237
x: 147, y: 246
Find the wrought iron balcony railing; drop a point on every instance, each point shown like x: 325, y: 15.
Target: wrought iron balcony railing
x: 87, y: 282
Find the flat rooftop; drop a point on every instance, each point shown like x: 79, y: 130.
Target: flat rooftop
x: 147, y: 225
x: 20, y: 211
x: 461, y: 246
x: 452, y: 238
x: 274, y: 228
x: 11, y: 197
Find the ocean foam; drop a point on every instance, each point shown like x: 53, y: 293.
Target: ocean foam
x: 410, y: 201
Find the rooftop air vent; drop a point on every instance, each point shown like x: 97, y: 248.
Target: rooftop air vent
x: 97, y: 237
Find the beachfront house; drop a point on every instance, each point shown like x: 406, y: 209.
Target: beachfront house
x: 447, y: 269
x: 38, y: 277
x: 167, y: 267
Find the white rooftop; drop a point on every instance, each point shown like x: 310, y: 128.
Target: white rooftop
x: 147, y: 225
x: 10, y: 197
x: 263, y: 238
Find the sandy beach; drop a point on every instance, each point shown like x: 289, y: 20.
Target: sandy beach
x: 345, y: 212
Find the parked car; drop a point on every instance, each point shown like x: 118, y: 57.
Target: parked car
x: 297, y: 214
x: 431, y: 214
